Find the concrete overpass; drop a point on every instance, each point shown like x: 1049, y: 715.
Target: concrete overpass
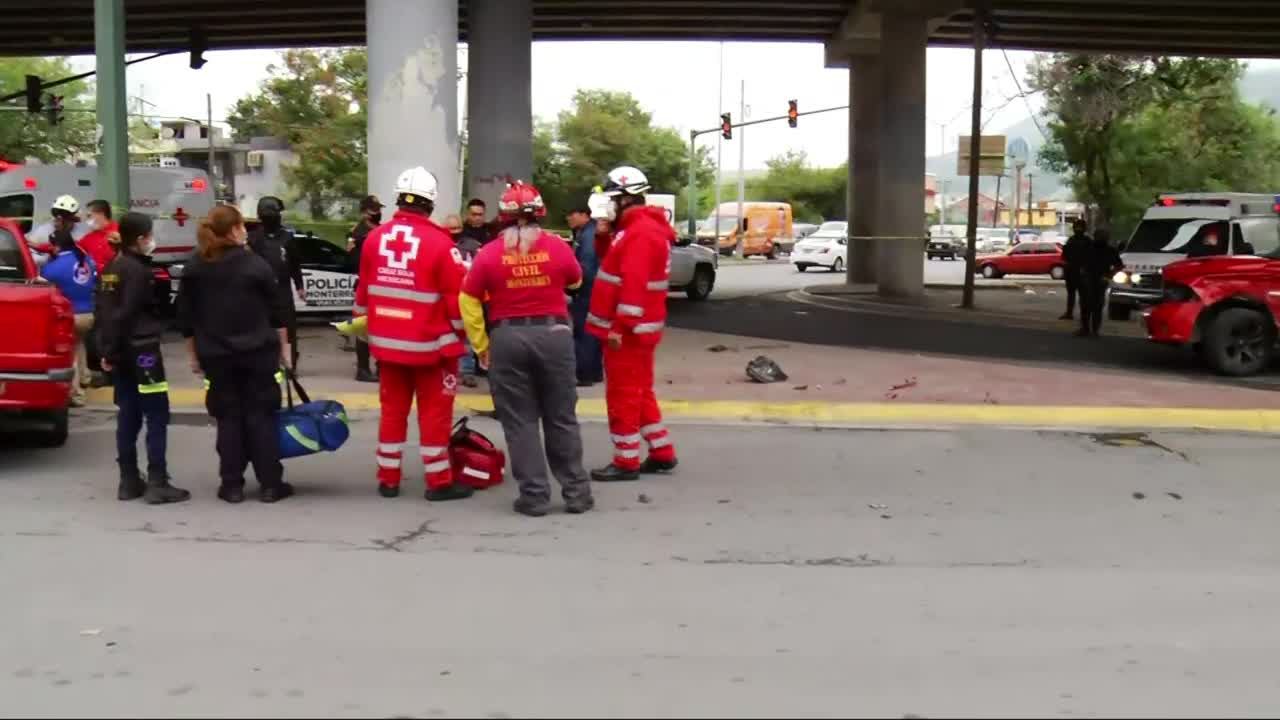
x: 412, y: 67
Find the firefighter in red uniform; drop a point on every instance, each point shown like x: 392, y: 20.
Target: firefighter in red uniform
x: 628, y: 312
x: 410, y: 275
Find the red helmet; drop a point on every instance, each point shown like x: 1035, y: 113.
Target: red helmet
x: 521, y: 199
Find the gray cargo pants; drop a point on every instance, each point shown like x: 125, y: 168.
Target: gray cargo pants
x: 532, y: 375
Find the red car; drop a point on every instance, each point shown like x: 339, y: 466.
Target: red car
x: 1026, y: 258
x: 1223, y: 306
x: 37, y: 340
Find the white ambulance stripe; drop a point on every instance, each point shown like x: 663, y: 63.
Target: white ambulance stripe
x: 432, y: 450
x: 459, y: 324
x: 626, y: 439
x: 389, y: 463
x: 630, y: 310
x: 660, y: 443
x: 404, y: 294
x: 627, y: 454
x: 608, y: 277
x: 599, y: 321
x: 475, y: 473
x: 648, y: 328
x: 659, y: 285
x: 436, y: 467
x: 411, y: 345
x: 391, y: 448
x: 654, y: 429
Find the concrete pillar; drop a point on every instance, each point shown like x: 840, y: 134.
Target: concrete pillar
x: 112, y: 120
x: 864, y: 165
x: 413, y: 95
x: 902, y: 154
x: 499, y: 95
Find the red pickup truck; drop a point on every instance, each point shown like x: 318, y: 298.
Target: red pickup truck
x: 37, y: 340
x: 1225, y: 307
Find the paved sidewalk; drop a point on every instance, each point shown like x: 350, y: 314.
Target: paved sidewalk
x: 701, y: 376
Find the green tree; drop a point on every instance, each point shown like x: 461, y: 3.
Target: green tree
x: 316, y: 100
x: 24, y: 136
x: 815, y: 194
x: 1124, y: 129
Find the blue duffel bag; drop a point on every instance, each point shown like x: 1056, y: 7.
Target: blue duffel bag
x: 309, y: 427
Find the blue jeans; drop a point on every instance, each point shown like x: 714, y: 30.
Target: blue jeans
x: 467, y: 363
x: 134, y: 407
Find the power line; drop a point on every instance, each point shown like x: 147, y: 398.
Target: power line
x: 1034, y: 117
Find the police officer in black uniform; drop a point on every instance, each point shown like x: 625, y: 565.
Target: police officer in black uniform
x: 275, y: 243
x: 370, y: 218
x: 129, y: 325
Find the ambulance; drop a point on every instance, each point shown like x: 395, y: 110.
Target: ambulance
x: 176, y: 197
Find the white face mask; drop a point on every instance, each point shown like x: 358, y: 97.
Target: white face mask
x: 611, y: 211
x: 148, y: 246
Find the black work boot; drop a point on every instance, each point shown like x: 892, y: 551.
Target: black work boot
x: 366, y: 375
x: 450, y: 492
x: 613, y: 473
x: 388, y: 491
x: 233, y: 494
x: 580, y: 505
x: 132, y: 486
x: 531, y: 507
x: 160, y: 492
x: 658, y: 467
x: 275, y: 493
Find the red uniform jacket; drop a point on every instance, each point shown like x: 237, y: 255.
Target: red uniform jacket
x: 410, y: 274
x: 630, y: 292
x: 97, y: 245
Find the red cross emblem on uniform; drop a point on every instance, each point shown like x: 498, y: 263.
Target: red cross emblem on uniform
x: 180, y: 216
x: 399, y: 246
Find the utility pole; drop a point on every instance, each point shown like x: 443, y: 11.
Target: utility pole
x: 213, y: 179
x: 995, y: 214
x: 1031, y: 208
x: 719, y: 155
x: 1015, y: 220
x: 975, y: 153
x: 942, y: 182
x: 742, y: 172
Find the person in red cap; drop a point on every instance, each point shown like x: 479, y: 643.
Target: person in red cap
x: 628, y: 312
x: 410, y: 274
x: 524, y: 274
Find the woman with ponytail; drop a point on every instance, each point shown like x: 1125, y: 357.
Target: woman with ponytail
x: 230, y: 312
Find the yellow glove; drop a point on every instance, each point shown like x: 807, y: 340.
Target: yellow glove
x: 356, y: 327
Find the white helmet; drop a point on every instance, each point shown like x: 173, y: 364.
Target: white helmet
x: 626, y: 180
x: 599, y: 206
x: 67, y: 204
x: 417, y: 182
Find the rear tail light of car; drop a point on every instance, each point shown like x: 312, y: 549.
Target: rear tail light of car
x: 63, y: 338
x: 1178, y: 293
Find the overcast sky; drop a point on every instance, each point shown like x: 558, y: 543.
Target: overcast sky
x: 679, y: 86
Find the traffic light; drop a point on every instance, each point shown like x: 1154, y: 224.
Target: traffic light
x: 54, y: 110
x: 793, y: 113
x: 199, y: 44
x: 726, y: 127
x: 34, y: 105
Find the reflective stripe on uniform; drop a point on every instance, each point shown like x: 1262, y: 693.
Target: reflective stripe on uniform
x: 627, y: 454
x: 459, y: 324
x: 412, y: 345
x: 625, y: 439
x: 390, y: 448
x: 154, y: 388
x: 389, y: 463
x: 436, y: 467
x: 654, y: 429
x: 279, y: 377
x: 432, y: 450
x: 475, y: 473
x: 207, y: 385
x: 610, y: 278
x: 660, y: 442
x: 404, y: 294
x: 599, y: 321
x: 359, y: 309
x: 659, y: 285
x: 630, y: 310
x: 301, y: 439
x: 647, y: 328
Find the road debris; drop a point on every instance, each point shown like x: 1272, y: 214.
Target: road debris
x: 875, y: 506
x: 763, y: 369
x: 90, y: 632
x: 1139, y: 496
x: 1174, y: 495
x: 719, y: 348
x: 800, y: 387
x: 643, y: 499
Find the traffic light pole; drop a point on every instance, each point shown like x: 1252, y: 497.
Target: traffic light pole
x: 63, y: 81
x: 693, y: 157
x: 112, y: 130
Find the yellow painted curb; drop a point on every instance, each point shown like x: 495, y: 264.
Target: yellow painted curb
x: 867, y: 414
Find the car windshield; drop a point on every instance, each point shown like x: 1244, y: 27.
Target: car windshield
x: 831, y: 230
x: 1182, y: 236
x: 11, y: 267
x: 727, y: 223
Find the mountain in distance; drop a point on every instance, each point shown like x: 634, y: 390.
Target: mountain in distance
x: 1259, y: 86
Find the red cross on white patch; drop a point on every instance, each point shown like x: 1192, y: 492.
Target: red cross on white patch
x: 399, y: 247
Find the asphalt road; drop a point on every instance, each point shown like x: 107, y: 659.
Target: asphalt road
x: 757, y: 277
x: 781, y: 572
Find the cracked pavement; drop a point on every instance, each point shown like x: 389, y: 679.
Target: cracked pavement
x: 780, y: 571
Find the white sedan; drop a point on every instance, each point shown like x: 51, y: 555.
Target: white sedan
x: 825, y: 248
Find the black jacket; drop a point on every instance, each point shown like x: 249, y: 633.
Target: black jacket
x: 231, y: 307
x: 358, y: 235
x: 126, y: 312
x: 482, y: 234
x: 1099, y: 260
x: 280, y: 250
x: 1074, y: 250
